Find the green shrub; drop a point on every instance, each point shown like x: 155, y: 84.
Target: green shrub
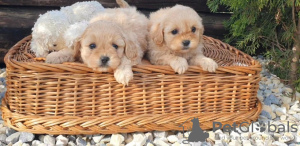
x: 268, y: 24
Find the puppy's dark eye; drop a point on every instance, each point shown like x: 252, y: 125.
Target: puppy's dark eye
x: 115, y: 46
x: 193, y: 29
x: 92, y: 46
x: 54, y: 45
x: 175, y: 31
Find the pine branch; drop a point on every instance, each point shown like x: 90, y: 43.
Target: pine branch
x: 275, y: 43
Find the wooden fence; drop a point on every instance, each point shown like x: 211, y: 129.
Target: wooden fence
x: 17, y: 17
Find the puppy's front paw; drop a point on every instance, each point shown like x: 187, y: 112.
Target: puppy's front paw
x: 208, y: 64
x: 53, y: 58
x: 58, y: 58
x: 123, y: 76
x: 179, y: 65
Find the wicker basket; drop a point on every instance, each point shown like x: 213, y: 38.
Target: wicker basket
x: 72, y: 99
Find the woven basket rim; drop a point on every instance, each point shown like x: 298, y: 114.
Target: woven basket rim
x: 74, y: 67
x: 74, y: 125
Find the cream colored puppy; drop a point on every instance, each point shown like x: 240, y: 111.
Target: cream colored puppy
x: 114, y: 40
x: 176, y: 39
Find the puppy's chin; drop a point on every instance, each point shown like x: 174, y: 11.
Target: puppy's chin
x: 103, y: 69
x: 181, y: 49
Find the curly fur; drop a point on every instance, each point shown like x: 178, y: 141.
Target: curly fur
x: 74, y: 32
x: 71, y: 35
x: 57, y: 30
x: 47, y: 33
x: 82, y: 11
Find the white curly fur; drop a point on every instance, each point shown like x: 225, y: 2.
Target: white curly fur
x: 47, y: 32
x: 82, y: 11
x: 74, y: 32
x: 71, y: 35
x: 57, y: 30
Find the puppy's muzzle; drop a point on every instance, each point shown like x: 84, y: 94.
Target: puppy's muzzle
x: 186, y: 44
x: 104, y: 61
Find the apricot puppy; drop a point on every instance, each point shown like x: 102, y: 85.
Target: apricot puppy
x: 176, y: 39
x: 114, y: 40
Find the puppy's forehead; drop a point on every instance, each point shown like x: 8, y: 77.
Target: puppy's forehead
x: 103, y: 31
x: 103, y: 27
x: 182, y: 24
x: 182, y: 16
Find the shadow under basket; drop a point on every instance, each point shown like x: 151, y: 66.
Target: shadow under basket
x: 71, y: 98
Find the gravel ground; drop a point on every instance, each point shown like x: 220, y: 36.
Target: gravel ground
x: 278, y: 125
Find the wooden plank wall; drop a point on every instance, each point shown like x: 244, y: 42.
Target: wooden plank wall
x: 17, y: 17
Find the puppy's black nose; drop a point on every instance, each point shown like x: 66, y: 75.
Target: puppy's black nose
x: 186, y: 42
x: 104, y: 59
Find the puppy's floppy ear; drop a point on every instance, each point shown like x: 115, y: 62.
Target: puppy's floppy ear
x: 39, y: 48
x: 40, y: 41
x: 201, y: 32
x: 156, y: 33
x: 130, y: 49
x: 77, y: 47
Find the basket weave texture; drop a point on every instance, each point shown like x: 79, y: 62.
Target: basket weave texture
x: 71, y: 98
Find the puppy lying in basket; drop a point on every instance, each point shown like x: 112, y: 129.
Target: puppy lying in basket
x: 176, y: 39
x: 114, y: 40
x: 49, y: 29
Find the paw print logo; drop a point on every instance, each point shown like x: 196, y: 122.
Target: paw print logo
x: 261, y: 127
x: 197, y: 134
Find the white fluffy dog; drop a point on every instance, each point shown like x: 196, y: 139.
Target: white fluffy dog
x: 71, y: 35
x: 82, y: 11
x: 176, y: 39
x: 48, y: 33
x: 114, y: 40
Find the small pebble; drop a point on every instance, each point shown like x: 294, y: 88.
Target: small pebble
x: 106, y: 139
x: 49, y: 140
x: 71, y: 143
x: 116, y: 139
x: 61, y: 140
x: 159, y: 142
x: 19, y: 143
x: 98, y: 138
x: 10, y: 131
x: 3, y: 138
x: 71, y: 138
x: 283, y: 117
x: 160, y: 134
x: 26, y: 137
x: 129, y: 138
x: 41, y: 138
x: 139, y: 138
x: 13, y: 138
x: 150, y: 144
x: 149, y: 136
x: 280, y: 111
x: 3, y: 130
x: 25, y: 144
x: 172, y: 138
x: 36, y: 143
x: 81, y: 142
